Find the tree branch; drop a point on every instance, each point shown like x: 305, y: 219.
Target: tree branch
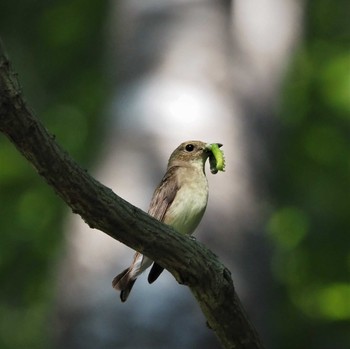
x: 190, y: 262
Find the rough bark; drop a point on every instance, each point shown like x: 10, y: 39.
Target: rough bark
x: 190, y: 262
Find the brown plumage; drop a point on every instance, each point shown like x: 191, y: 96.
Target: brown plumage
x: 179, y: 201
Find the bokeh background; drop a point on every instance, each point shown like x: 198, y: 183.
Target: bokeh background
x: 121, y: 84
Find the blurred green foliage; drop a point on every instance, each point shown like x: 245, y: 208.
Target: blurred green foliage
x: 56, y: 48
x: 310, y: 228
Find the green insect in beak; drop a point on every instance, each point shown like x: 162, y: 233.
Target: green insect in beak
x: 216, y: 158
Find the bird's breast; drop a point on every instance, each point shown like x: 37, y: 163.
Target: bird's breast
x: 187, y: 209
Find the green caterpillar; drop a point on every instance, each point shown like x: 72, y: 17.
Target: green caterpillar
x: 216, y: 158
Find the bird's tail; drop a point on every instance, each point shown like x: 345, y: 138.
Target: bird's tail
x: 124, y: 281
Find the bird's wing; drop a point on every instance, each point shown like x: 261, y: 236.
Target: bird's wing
x: 164, y: 195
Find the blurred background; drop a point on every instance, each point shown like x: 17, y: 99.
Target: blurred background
x: 121, y: 84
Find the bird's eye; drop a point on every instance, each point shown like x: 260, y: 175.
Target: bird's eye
x: 189, y: 147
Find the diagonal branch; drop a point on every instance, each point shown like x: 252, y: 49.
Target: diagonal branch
x: 190, y: 262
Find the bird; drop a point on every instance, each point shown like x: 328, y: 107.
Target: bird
x: 179, y: 201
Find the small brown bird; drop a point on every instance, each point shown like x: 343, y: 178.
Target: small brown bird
x: 179, y: 201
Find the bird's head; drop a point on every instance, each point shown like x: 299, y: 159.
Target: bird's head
x: 198, y: 152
